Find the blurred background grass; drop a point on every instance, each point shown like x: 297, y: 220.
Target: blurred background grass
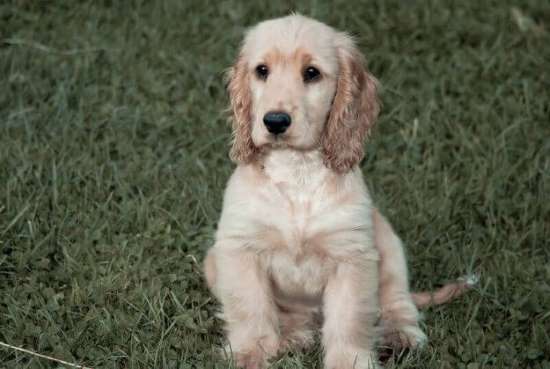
x: 113, y: 159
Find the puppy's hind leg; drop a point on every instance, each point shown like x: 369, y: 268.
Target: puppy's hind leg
x: 399, y: 312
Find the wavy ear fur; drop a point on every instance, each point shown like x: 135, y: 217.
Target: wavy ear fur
x: 354, y: 110
x: 243, y: 149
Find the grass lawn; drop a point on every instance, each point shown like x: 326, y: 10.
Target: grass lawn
x: 113, y: 159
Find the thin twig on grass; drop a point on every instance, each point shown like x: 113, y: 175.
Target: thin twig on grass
x: 42, y: 356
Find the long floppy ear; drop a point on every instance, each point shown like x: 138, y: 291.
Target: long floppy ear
x: 243, y: 149
x: 354, y: 110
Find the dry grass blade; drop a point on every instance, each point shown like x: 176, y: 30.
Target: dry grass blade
x: 43, y: 356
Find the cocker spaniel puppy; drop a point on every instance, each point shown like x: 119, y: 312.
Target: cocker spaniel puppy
x: 299, y: 242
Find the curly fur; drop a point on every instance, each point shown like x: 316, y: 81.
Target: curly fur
x: 354, y: 111
x: 243, y: 149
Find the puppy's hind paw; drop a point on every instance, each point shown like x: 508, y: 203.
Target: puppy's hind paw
x: 405, y: 336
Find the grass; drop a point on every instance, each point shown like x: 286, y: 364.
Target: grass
x: 113, y: 159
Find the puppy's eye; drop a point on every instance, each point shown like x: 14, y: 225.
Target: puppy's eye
x: 311, y: 74
x: 262, y: 71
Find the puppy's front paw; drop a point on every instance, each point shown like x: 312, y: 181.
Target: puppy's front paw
x: 351, y: 359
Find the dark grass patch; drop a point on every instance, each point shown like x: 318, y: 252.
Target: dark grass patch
x: 113, y: 159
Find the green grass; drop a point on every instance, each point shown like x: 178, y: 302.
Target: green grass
x: 113, y: 159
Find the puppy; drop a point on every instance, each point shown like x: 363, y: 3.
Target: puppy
x: 299, y: 242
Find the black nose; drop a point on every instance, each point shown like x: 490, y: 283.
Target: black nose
x: 277, y: 122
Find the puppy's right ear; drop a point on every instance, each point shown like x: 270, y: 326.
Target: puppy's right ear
x: 243, y: 149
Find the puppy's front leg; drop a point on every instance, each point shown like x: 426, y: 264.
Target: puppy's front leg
x: 248, y: 308
x: 350, y: 311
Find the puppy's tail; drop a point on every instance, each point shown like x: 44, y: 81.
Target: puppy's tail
x: 446, y: 293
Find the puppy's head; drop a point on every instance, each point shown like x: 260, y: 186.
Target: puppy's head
x: 302, y: 85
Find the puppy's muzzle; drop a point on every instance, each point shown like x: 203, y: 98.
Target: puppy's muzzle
x: 277, y: 122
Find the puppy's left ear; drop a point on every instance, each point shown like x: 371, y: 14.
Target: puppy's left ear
x: 354, y: 110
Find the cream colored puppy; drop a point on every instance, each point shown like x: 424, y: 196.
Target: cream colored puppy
x: 299, y: 240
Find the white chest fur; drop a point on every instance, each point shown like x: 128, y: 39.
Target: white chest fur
x: 300, y: 266
x: 299, y: 217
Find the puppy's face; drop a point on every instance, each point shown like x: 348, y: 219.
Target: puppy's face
x: 300, y: 84
x: 292, y: 78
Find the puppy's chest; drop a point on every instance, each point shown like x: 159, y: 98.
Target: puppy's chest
x: 294, y: 215
x: 307, y: 220
x: 296, y: 256
x: 293, y: 200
